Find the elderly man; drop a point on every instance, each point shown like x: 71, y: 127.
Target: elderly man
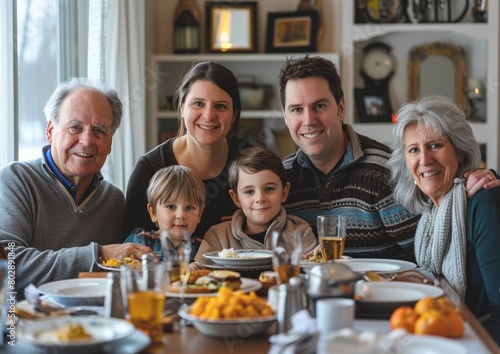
x: 57, y: 213
x: 337, y: 171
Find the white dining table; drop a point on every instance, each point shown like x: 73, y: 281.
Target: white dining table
x: 188, y: 340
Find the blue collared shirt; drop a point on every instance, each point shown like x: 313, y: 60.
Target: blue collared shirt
x: 71, y: 187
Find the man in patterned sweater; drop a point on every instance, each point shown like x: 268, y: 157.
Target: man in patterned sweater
x: 337, y: 171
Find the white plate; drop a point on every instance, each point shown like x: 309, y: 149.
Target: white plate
x: 418, y: 344
x: 380, y: 299
x: 233, y: 328
x: 245, y: 258
x: 116, y: 269
x: 207, y: 263
x: 333, y: 342
x: 102, y: 330
x: 132, y: 344
x: 361, y: 265
x: 74, y: 292
x: 397, y: 291
x: 247, y: 285
x: 306, y: 263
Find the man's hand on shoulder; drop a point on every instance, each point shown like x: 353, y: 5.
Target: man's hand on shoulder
x: 477, y: 179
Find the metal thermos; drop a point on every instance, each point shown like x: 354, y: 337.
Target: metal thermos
x: 113, y: 302
x: 290, y: 301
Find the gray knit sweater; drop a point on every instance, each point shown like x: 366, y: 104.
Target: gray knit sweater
x: 54, y: 238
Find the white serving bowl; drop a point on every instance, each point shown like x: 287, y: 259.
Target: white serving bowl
x: 234, y: 328
x: 255, y: 96
x: 76, y: 292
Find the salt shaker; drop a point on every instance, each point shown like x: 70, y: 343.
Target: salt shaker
x: 147, y: 271
x: 113, y: 302
x: 290, y: 301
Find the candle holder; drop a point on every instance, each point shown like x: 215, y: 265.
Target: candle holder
x: 475, y: 96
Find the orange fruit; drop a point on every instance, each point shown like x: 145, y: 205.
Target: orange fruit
x: 404, y: 317
x: 446, y: 305
x: 426, y: 304
x: 432, y: 322
x: 455, y: 324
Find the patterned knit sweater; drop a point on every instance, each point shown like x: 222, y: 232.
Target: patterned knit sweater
x: 359, y: 188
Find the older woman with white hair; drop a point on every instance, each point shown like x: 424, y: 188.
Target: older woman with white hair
x: 433, y: 146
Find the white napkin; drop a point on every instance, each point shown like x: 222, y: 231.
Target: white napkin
x: 302, y: 338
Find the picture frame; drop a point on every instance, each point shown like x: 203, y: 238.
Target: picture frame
x: 373, y: 105
x: 292, y: 32
x: 231, y: 27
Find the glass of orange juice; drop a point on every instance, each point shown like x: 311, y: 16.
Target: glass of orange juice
x: 331, y: 235
x: 287, y: 250
x: 146, y: 298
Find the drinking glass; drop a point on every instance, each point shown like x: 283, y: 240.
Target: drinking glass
x: 145, y: 289
x: 331, y: 234
x: 176, y: 256
x: 287, y: 250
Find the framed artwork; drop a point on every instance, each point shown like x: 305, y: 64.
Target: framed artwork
x: 231, y: 26
x: 373, y: 105
x: 292, y: 32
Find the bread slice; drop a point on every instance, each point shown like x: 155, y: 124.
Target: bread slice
x: 268, y: 278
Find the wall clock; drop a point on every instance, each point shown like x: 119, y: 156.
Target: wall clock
x: 377, y: 65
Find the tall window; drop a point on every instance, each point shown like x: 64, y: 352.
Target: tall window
x: 51, y: 47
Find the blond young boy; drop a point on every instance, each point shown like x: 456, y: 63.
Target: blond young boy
x: 176, y: 199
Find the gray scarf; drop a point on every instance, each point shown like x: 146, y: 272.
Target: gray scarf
x: 441, y: 237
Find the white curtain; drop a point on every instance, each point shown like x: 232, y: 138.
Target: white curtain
x: 117, y: 55
x: 8, y: 75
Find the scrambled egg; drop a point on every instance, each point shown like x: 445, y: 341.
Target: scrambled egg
x: 316, y: 258
x: 69, y: 332
x: 116, y: 263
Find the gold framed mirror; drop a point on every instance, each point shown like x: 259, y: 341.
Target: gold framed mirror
x: 231, y: 27
x: 438, y: 68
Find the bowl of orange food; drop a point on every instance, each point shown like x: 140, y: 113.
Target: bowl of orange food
x: 230, y: 314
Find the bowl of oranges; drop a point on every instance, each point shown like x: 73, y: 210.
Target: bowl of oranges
x: 430, y: 316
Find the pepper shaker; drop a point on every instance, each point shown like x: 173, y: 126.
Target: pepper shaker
x: 290, y: 301
x: 114, y: 301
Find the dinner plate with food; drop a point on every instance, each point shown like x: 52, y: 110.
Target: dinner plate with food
x: 115, y: 263
x: 74, y: 332
x: 207, y: 263
x: 310, y: 261
x: 207, y: 282
x: 240, y: 258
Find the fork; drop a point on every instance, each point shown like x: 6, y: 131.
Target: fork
x: 294, y: 336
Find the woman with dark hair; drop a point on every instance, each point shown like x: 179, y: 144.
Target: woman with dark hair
x: 209, y: 107
x: 433, y: 147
